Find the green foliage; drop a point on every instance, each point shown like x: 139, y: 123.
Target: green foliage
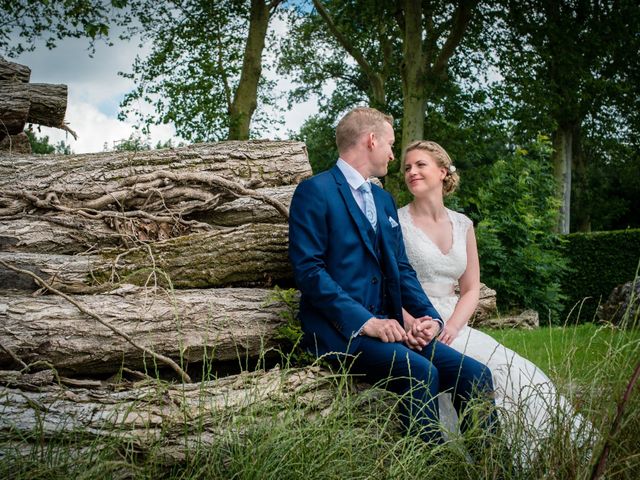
x: 519, y: 255
x: 600, y: 261
x: 290, y: 333
x: 41, y: 145
x: 24, y: 22
x: 195, y: 66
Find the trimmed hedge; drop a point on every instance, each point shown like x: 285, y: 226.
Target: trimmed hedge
x: 600, y: 261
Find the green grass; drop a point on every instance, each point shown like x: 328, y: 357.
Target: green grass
x: 358, y: 438
x: 573, y: 354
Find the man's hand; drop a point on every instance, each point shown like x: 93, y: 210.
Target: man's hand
x: 387, y: 330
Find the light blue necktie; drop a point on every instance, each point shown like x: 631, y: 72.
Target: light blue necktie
x: 369, y: 205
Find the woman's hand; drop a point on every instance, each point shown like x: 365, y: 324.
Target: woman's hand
x: 449, y: 333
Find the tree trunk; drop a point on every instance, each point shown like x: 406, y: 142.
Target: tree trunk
x: 16, y: 144
x: 45, y: 105
x: 88, y: 176
x: 413, y: 70
x: 581, y: 204
x: 253, y: 254
x: 15, y: 103
x: 562, y: 161
x: 168, y: 422
x: 214, y: 325
x: 14, y: 72
x: 48, y: 104
x: 245, y: 97
x: 70, y: 233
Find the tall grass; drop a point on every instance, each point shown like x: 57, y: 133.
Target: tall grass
x: 358, y: 437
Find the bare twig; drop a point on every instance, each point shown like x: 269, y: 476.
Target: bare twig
x: 185, y: 377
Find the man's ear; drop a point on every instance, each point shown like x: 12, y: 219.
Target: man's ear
x: 371, y: 140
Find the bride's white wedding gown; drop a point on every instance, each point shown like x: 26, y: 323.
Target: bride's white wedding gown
x: 525, y: 396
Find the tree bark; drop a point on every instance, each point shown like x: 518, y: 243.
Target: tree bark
x: 562, y: 162
x: 15, y: 102
x: 214, y: 325
x: 245, y: 97
x: 581, y: 203
x: 48, y: 104
x: 45, y: 105
x: 170, y: 422
x: 253, y: 254
x: 256, y: 163
x: 71, y: 233
x: 14, y: 72
x: 16, y: 144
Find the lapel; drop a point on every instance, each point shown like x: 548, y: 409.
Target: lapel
x: 364, y: 227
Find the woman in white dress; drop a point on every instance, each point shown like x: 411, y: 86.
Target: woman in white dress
x: 441, y: 246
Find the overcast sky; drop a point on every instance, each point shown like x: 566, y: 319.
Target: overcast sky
x: 96, y: 90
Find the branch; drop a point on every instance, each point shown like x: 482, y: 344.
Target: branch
x: 86, y: 311
x: 346, y: 44
x: 461, y: 18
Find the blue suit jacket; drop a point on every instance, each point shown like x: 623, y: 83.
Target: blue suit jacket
x: 332, y: 251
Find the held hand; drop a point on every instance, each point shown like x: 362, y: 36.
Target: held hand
x: 449, y: 333
x: 426, y: 328
x: 387, y: 330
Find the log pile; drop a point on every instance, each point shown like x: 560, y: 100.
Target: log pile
x: 138, y: 266
x: 22, y: 102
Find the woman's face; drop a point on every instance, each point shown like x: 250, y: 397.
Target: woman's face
x: 422, y: 173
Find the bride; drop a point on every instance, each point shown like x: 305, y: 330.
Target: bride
x: 441, y: 246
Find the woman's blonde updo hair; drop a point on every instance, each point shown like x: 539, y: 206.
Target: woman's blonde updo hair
x: 439, y: 154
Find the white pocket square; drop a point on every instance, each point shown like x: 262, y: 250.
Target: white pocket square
x: 393, y: 223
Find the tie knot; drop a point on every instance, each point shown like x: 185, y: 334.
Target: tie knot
x: 365, y: 187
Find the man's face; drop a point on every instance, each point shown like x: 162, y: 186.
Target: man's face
x: 381, y: 150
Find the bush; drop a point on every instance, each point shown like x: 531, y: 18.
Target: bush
x: 599, y: 262
x: 519, y: 254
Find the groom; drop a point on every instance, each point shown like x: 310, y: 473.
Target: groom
x: 349, y: 262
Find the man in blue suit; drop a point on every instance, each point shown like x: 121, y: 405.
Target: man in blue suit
x: 350, y: 264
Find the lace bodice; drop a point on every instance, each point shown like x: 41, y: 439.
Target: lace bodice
x: 437, y: 272
x: 431, y: 265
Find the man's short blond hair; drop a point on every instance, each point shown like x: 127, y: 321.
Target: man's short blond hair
x: 359, y: 121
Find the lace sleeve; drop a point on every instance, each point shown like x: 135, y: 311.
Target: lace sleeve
x: 461, y: 222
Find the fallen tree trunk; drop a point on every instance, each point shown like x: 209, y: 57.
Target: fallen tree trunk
x: 253, y: 254
x: 168, y: 421
x: 86, y: 177
x: 15, y: 103
x: 14, y: 72
x: 70, y: 233
x: 48, y: 104
x: 215, y: 325
x: 225, y: 183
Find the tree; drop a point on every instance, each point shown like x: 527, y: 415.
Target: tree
x: 204, y: 72
x: 23, y: 23
x: 414, y: 39
x: 564, y: 67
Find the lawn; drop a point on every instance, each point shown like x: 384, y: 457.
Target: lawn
x: 576, y: 353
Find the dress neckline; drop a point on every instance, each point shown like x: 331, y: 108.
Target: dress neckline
x: 426, y: 235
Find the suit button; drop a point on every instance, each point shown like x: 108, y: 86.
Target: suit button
x: 374, y: 280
